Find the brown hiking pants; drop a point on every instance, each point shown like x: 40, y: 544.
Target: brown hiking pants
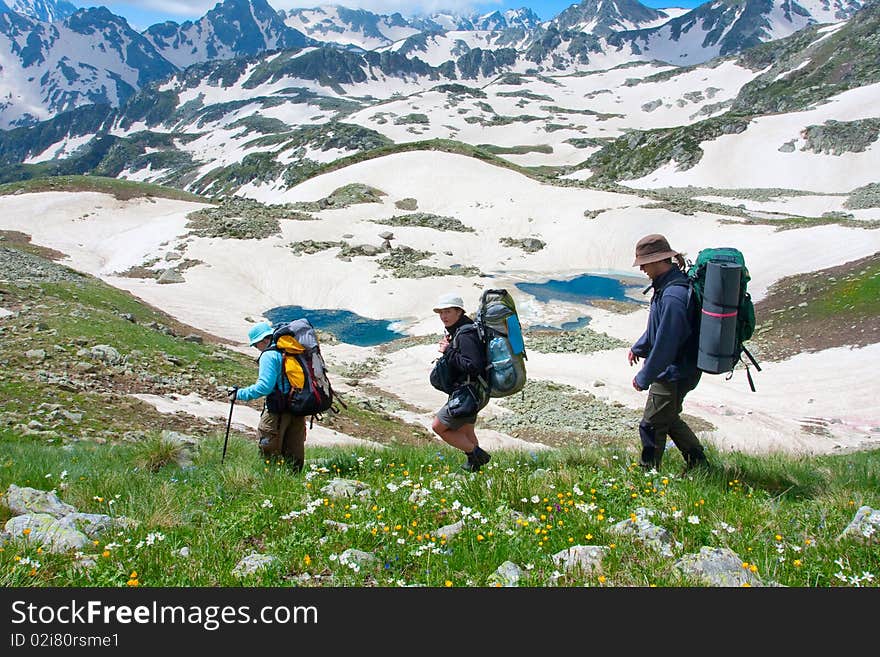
x: 283, y: 434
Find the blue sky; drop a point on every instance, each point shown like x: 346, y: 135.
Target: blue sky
x: 143, y: 13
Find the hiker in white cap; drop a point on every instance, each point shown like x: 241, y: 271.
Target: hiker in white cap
x: 463, y: 364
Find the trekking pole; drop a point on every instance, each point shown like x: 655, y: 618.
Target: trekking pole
x: 229, y: 422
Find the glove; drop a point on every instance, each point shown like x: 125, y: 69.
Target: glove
x: 232, y: 393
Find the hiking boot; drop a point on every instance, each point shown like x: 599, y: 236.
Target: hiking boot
x: 481, y: 456
x: 470, y: 465
x: 695, y: 462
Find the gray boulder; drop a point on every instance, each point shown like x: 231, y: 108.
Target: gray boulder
x: 343, y: 488
x: 359, y: 557
x: 586, y: 559
x: 643, y: 529
x: 21, y: 500
x: 448, y: 531
x: 507, y: 574
x: 90, y: 524
x: 864, y: 527
x: 253, y: 563
x: 170, y: 276
x: 717, y: 567
x: 48, y: 531
x: 106, y: 354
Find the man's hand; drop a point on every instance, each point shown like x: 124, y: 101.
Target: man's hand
x: 636, y: 385
x: 443, y: 345
x: 232, y: 393
x: 632, y: 358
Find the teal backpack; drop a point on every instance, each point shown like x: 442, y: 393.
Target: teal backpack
x: 724, y: 313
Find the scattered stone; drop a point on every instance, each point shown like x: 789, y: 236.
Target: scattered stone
x: 344, y: 488
x: 448, y: 531
x: 643, y: 529
x: 170, y: 276
x: 48, y: 531
x: 105, y: 353
x: 253, y: 563
x: 90, y: 524
x: 22, y: 500
x: 864, y: 527
x: 528, y: 244
x: 508, y: 574
x: 717, y: 567
x: 35, y: 354
x: 338, y: 526
x: 359, y: 558
x: 408, y: 204
x: 583, y: 559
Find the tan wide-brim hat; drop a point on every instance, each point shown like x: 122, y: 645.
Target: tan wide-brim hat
x: 448, y: 301
x: 653, y: 248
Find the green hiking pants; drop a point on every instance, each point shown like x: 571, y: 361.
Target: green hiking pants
x: 662, y: 418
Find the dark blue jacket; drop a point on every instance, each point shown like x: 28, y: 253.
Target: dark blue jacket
x: 669, y: 346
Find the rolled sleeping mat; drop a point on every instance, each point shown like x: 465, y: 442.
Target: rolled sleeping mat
x: 717, y: 351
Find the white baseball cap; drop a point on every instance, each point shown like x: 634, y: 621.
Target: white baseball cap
x: 448, y: 301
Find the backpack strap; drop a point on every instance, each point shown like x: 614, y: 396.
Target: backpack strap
x: 469, y: 328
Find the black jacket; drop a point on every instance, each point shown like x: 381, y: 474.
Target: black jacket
x: 465, y: 354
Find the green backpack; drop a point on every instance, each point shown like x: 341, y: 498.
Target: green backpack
x: 724, y: 315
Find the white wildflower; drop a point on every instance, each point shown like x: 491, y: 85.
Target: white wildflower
x: 694, y: 520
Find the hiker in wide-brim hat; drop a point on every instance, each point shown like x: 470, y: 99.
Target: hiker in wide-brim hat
x: 465, y: 364
x: 655, y: 248
x: 669, y: 347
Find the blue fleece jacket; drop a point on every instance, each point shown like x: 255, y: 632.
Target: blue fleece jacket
x: 668, y: 345
x: 270, y: 375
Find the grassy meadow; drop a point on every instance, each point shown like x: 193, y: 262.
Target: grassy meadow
x: 69, y: 424
x: 782, y: 515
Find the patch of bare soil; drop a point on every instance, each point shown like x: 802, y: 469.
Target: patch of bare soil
x: 22, y: 241
x: 809, y: 312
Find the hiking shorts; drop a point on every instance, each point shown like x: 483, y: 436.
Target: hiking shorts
x: 453, y: 422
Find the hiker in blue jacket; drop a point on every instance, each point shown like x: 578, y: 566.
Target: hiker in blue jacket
x: 463, y: 350
x: 669, y: 348
x: 279, y: 434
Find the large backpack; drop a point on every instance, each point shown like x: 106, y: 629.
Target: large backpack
x: 310, y: 392
x: 724, y: 314
x: 499, y: 328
